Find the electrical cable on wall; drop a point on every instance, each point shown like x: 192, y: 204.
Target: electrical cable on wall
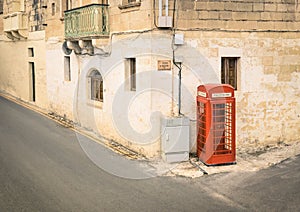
x: 177, y: 64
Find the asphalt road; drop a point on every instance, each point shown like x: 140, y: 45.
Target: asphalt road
x: 44, y: 168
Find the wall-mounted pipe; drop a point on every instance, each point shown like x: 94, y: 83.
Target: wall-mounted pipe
x: 167, y: 7
x: 179, y: 89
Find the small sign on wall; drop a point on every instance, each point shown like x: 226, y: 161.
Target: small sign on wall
x: 164, y: 65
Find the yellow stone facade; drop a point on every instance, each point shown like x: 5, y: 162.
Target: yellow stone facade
x: 264, y: 35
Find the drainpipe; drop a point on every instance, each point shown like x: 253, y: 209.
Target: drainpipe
x: 179, y: 66
x: 167, y: 7
x: 179, y: 89
x: 159, y: 8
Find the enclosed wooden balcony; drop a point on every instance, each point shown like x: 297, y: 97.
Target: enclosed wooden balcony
x: 15, y: 25
x: 87, y: 22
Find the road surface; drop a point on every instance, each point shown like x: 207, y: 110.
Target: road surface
x: 44, y: 168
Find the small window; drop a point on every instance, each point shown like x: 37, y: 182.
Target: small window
x: 67, y: 68
x: 132, y: 65
x: 96, y: 86
x: 1, y: 6
x: 30, y: 52
x: 130, y: 74
x: 229, y: 71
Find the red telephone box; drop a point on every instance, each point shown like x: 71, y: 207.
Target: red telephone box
x: 216, y: 124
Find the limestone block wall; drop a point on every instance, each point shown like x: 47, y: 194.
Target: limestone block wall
x: 16, y: 75
x: 240, y: 15
x: 36, y: 14
x: 137, y: 17
x: 268, y: 81
x: 262, y: 34
x: 55, y: 21
x: 61, y: 93
x: 12, y: 75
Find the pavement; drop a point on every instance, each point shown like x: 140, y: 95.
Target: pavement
x: 44, y: 166
x: 248, y: 159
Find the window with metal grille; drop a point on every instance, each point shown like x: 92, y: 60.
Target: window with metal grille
x: 229, y: 71
x: 96, y: 86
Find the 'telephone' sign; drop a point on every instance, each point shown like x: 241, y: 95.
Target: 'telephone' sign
x: 221, y: 95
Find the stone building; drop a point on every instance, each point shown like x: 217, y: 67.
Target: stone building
x: 113, y: 66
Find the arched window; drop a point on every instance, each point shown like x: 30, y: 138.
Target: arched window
x: 96, y: 86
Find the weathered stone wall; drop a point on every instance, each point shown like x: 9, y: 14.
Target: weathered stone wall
x: 263, y: 34
x: 138, y: 17
x: 240, y: 15
x: 35, y: 11
x: 268, y: 81
x: 36, y: 14
x: 55, y: 21
x: 15, y: 73
x: 61, y: 93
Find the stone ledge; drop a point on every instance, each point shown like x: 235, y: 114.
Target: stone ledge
x: 126, y: 6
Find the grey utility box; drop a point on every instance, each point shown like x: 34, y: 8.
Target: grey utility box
x: 175, y: 139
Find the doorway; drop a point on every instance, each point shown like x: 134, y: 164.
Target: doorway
x: 32, y: 82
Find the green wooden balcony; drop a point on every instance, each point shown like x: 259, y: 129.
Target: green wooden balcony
x: 90, y: 21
